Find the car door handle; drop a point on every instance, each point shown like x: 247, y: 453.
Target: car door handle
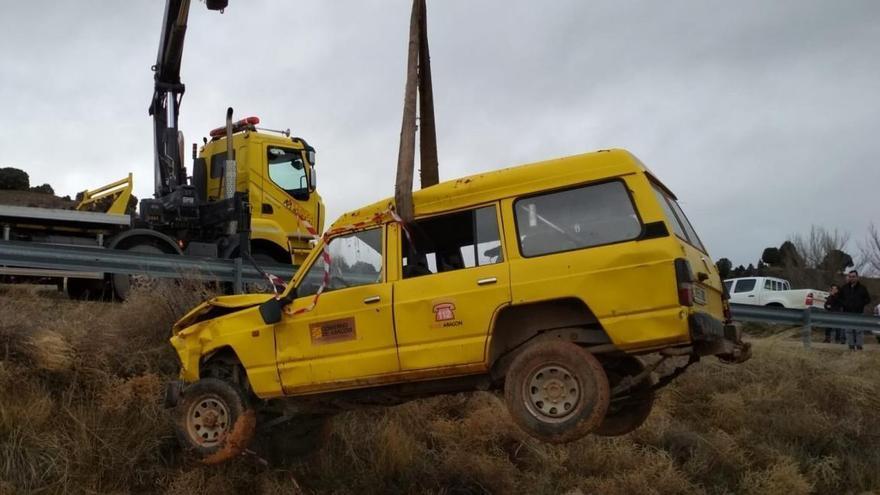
x: 487, y: 281
x: 752, y: 295
x: 373, y: 299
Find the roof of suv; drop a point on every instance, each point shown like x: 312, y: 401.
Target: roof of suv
x: 491, y: 186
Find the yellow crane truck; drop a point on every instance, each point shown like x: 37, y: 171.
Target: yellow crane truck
x: 251, y: 192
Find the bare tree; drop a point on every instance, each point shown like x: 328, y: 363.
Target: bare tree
x: 870, y: 248
x: 816, y: 247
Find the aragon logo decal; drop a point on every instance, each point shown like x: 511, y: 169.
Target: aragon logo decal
x: 444, y: 315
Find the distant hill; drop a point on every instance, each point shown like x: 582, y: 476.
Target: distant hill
x: 36, y: 199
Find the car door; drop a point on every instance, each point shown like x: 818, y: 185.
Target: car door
x: 454, y: 278
x: 349, y: 333
x: 744, y: 292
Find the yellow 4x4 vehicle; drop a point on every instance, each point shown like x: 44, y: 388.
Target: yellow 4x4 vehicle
x: 545, y: 280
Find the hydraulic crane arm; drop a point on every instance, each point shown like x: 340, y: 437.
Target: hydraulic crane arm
x: 167, y: 95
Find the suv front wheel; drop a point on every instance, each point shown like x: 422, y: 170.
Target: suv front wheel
x: 213, y: 420
x: 556, y: 391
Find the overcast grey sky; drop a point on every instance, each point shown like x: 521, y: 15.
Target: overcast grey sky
x: 763, y: 117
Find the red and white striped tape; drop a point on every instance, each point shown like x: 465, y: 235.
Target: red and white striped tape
x: 325, y: 252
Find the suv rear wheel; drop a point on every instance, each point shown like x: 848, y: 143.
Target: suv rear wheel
x: 556, y: 391
x: 213, y: 420
x: 631, y: 408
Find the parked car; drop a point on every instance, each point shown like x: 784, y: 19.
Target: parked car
x: 546, y: 281
x: 772, y: 291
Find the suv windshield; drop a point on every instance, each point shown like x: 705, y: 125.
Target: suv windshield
x: 680, y: 224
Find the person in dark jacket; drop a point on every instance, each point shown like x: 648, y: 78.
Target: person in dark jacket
x: 833, y: 304
x: 853, y: 298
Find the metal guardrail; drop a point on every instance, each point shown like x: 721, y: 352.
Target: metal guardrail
x: 806, y: 318
x: 100, y: 260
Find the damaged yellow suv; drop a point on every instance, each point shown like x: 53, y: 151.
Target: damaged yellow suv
x: 546, y: 281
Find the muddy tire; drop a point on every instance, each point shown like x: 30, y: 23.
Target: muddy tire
x: 293, y: 440
x: 124, y: 284
x: 556, y: 391
x: 213, y: 420
x: 627, y: 412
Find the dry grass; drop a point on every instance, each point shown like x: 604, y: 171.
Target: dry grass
x: 80, y: 386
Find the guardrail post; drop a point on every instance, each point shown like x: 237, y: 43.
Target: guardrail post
x: 236, y: 285
x: 808, y: 327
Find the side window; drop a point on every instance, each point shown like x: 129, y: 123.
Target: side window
x: 452, y: 242
x: 728, y: 285
x: 287, y: 169
x: 768, y: 284
x: 744, y: 285
x: 578, y: 218
x: 355, y: 259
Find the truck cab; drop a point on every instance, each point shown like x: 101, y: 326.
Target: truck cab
x: 278, y: 174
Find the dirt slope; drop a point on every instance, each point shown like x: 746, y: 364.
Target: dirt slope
x: 79, y: 413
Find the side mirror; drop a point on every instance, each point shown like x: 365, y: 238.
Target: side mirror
x: 271, y: 311
x: 313, y: 179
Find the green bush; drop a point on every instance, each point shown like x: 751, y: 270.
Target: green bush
x: 14, y: 179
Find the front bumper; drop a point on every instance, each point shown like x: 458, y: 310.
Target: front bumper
x: 711, y: 337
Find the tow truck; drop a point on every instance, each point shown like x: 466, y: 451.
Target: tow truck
x: 251, y: 192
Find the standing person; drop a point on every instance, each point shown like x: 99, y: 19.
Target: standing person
x: 877, y: 313
x: 853, y: 297
x: 833, y: 304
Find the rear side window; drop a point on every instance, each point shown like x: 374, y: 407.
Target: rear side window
x: 680, y: 224
x: 745, y: 285
x: 728, y: 284
x: 579, y: 218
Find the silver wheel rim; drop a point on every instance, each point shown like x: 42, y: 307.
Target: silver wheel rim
x: 207, y: 421
x: 551, y: 393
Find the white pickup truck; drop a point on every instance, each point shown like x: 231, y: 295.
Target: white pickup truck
x: 772, y: 291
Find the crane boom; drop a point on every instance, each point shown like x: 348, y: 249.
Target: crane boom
x: 168, y: 94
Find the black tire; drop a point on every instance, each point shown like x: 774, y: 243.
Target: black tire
x: 556, y: 391
x: 213, y: 420
x: 264, y: 287
x: 627, y: 412
x: 123, y: 283
x: 293, y: 440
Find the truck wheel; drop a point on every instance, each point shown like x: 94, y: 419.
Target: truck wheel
x: 628, y: 411
x: 293, y: 440
x: 556, y: 391
x: 213, y: 420
x: 263, y: 287
x: 123, y: 283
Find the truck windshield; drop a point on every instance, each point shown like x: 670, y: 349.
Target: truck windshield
x: 680, y: 224
x: 287, y: 170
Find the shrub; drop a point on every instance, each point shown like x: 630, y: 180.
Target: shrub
x: 14, y: 179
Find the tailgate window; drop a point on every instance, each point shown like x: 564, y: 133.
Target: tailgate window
x: 680, y: 224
